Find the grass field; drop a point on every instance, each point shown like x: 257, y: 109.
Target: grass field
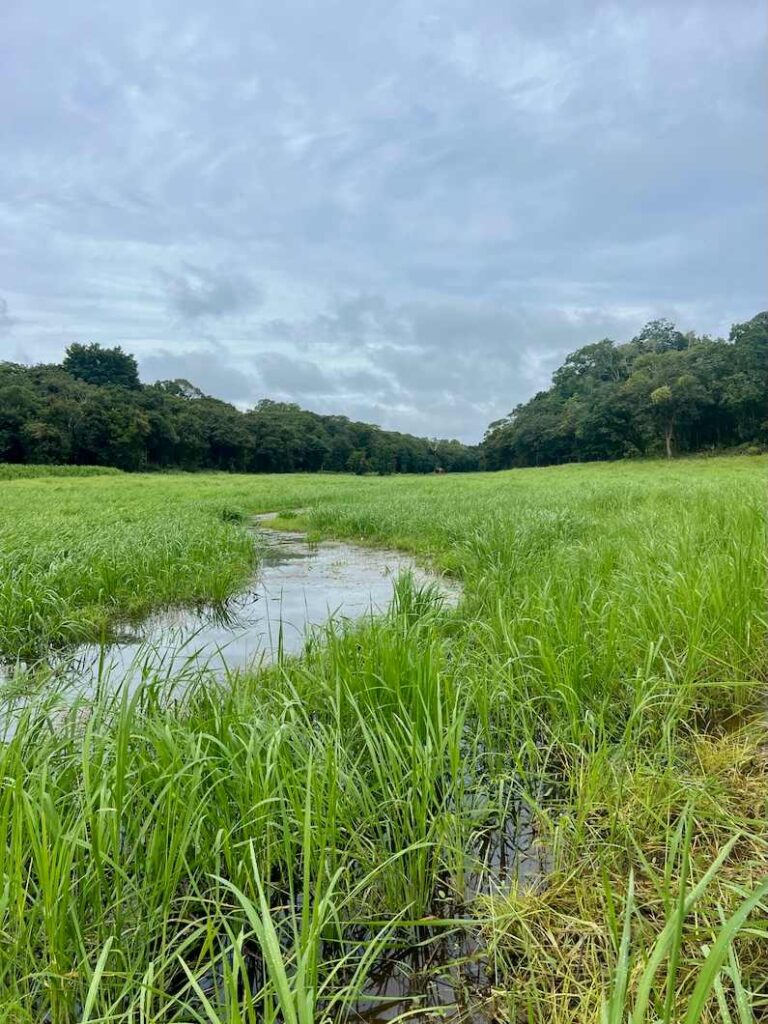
x: 248, y: 852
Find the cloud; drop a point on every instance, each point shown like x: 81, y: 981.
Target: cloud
x: 455, y: 365
x: 196, y: 292
x: 210, y: 369
x: 6, y: 321
x: 284, y: 375
x: 409, y: 212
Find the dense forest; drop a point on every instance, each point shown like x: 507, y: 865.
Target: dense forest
x: 662, y: 393
x: 93, y: 410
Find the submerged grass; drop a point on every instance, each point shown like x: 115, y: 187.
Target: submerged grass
x: 251, y: 851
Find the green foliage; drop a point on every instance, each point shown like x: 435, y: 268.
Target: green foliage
x: 662, y: 395
x: 239, y: 852
x: 93, y: 410
x: 15, y: 471
x: 662, y: 391
x: 77, y: 555
x: 102, y: 366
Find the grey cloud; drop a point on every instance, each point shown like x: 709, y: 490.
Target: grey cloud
x: 6, y: 320
x: 210, y: 369
x: 297, y: 377
x: 434, y: 213
x: 195, y: 292
x: 285, y: 375
x: 370, y: 383
x: 455, y: 364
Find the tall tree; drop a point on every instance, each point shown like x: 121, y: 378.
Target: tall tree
x: 97, y: 365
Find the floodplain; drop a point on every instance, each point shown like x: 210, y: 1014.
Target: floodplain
x: 531, y: 788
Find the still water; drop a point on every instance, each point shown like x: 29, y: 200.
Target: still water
x: 299, y: 586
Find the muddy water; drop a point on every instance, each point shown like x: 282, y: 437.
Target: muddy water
x: 448, y: 976
x: 299, y: 586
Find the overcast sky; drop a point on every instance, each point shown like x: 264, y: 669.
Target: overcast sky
x: 406, y: 212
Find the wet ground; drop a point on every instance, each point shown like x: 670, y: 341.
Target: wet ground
x: 444, y: 974
x: 448, y: 976
x: 299, y: 586
x: 434, y: 972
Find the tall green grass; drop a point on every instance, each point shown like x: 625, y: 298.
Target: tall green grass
x: 78, y: 558
x: 14, y: 471
x: 248, y: 850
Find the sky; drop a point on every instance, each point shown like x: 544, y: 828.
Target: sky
x: 403, y: 212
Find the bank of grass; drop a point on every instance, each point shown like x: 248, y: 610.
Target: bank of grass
x: 79, y: 556
x: 14, y: 471
x: 245, y: 851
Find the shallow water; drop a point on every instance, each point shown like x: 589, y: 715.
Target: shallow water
x: 298, y: 587
x: 449, y: 977
x: 443, y: 971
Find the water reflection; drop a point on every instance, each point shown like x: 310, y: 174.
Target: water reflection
x: 299, y: 586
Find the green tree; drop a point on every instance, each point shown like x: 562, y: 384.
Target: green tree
x: 18, y: 405
x: 661, y: 390
x: 357, y: 462
x: 97, y: 365
x: 747, y: 392
x: 661, y: 336
x: 663, y: 401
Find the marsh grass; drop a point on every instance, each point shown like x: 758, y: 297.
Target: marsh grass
x: 250, y: 850
x: 73, y: 564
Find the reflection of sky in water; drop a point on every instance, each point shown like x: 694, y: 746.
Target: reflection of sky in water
x: 298, y: 586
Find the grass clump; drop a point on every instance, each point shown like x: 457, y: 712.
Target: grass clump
x: 78, y: 557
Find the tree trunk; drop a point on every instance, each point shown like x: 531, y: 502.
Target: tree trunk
x: 668, y: 440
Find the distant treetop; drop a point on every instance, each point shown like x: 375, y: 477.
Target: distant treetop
x: 102, y: 366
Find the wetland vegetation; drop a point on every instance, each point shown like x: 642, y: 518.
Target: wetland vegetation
x: 545, y: 803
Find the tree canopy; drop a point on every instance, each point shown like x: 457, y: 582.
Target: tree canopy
x: 97, y: 365
x: 93, y: 410
x: 663, y: 392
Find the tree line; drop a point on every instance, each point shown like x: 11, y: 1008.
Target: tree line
x: 662, y: 393
x: 92, y: 409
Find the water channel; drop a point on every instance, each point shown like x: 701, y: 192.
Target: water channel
x: 298, y: 587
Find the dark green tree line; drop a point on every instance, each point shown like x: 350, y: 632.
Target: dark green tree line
x: 93, y: 410
x: 663, y: 392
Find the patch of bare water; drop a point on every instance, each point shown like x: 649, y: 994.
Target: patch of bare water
x: 298, y: 587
